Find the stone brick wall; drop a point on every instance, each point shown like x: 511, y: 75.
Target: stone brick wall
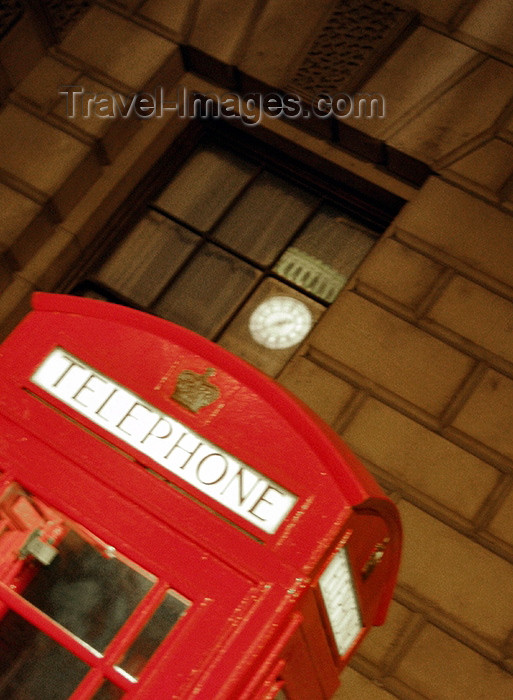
x: 418, y: 352
x: 413, y: 364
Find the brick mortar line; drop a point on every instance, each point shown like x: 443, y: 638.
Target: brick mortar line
x: 405, y: 639
x: 361, y: 382
x: 428, y: 504
x: 471, y: 186
x: 456, y: 521
x: 55, y: 121
x: 494, y: 544
x: 349, y: 411
x: 474, y: 529
x: 372, y: 672
x: 468, y: 347
x: 433, y: 328
x: 509, y: 647
x: 410, y: 599
x: 462, y: 394
x: 23, y: 188
x: 86, y: 70
x: 438, y: 255
x: 492, y: 504
x: 464, y: 149
x: 408, y: 409
x: 447, y: 274
x: 478, y: 449
x: 441, y: 89
x: 473, y: 190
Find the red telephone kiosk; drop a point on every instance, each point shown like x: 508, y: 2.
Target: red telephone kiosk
x: 172, y: 523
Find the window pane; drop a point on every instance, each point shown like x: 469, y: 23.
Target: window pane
x: 32, y: 665
x: 145, y: 261
x: 157, y: 627
x: 265, y: 218
x: 210, y: 179
x: 207, y: 291
x: 108, y: 691
x: 86, y: 592
x: 286, y: 325
x: 326, y: 253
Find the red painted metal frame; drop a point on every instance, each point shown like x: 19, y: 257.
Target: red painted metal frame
x: 246, y: 586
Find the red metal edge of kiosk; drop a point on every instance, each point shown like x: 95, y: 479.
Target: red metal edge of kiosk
x: 283, y: 581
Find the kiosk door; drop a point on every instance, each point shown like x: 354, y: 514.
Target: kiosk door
x: 106, y: 605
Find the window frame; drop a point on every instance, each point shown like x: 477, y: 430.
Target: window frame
x: 368, y: 203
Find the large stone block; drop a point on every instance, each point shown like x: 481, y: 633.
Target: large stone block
x: 221, y: 25
x: 117, y: 47
x: 283, y: 32
x: 441, y: 11
x: 356, y: 686
x: 448, y: 123
x: 399, y: 272
x: 382, y: 640
x: 325, y: 393
x: 438, y: 666
x: 17, y: 212
x: 463, y: 226
x: 457, y: 576
x: 391, y: 352
x: 491, y: 21
x: 173, y: 16
x: 51, y: 262
x: 44, y: 81
x: 398, y: 78
x: 488, y: 413
x: 420, y: 458
x: 477, y: 314
x: 36, y: 152
x: 489, y: 166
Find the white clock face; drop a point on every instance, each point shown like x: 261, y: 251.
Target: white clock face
x: 280, y: 322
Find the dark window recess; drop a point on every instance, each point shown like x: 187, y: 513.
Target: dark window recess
x: 238, y: 247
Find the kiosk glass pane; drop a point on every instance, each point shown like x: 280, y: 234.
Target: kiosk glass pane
x: 32, y: 665
x: 108, y: 691
x: 153, y: 633
x: 85, y: 591
x: 214, y: 280
x: 340, y: 598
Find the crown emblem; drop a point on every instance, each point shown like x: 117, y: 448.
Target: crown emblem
x: 194, y: 391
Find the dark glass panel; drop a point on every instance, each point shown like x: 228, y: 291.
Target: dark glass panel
x: 86, y: 591
x: 207, y: 292
x: 147, y: 258
x: 108, y: 691
x: 265, y: 218
x: 260, y: 340
x: 32, y: 665
x: 326, y: 253
x: 205, y: 186
x: 158, y: 626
